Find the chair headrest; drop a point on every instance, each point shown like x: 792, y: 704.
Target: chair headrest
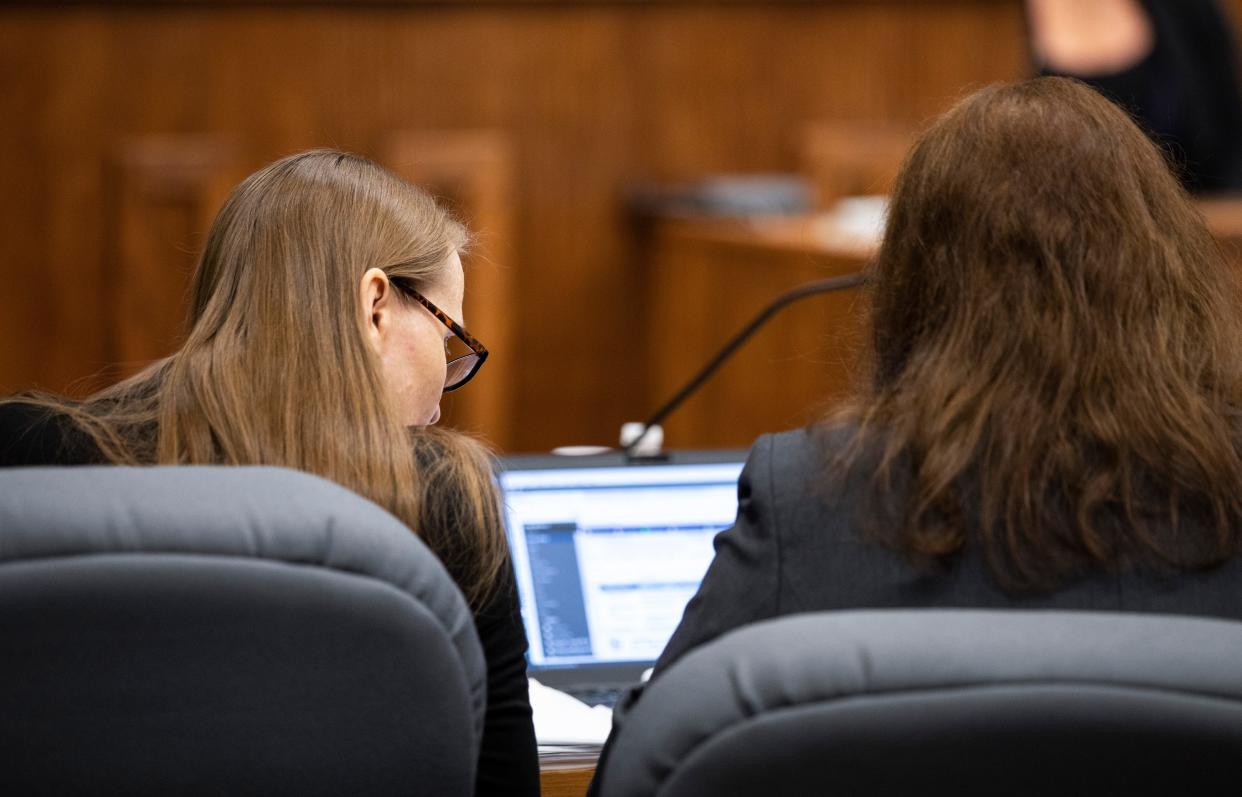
x: 816, y: 659
x: 266, y: 513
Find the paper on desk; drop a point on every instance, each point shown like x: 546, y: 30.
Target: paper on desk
x: 562, y: 719
x: 854, y: 222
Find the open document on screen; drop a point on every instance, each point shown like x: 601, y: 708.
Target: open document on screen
x: 607, y: 558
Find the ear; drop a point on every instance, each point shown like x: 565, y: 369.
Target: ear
x: 375, y: 293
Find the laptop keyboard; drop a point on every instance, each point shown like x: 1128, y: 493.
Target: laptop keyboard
x: 598, y: 695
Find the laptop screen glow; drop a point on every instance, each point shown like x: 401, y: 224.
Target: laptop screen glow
x: 607, y: 557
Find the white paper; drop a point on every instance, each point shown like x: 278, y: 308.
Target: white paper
x: 854, y: 222
x: 564, y: 719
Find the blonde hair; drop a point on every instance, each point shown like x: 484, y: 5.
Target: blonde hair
x: 276, y: 369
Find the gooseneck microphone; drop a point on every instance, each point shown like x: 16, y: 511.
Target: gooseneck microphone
x: 830, y: 285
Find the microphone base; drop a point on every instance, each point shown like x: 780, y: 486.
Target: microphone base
x: 640, y: 441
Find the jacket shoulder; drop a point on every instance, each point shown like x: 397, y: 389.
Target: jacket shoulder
x: 804, y: 462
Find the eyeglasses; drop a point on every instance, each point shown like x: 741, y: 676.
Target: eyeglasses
x: 463, y: 363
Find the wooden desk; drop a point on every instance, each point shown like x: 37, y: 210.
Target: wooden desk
x: 566, y: 777
x: 816, y: 235
x: 707, y: 277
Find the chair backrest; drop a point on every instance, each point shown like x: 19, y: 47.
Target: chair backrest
x: 226, y: 630
x: 943, y: 701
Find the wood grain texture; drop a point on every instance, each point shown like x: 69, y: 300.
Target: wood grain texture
x: 566, y: 778
x: 710, y: 278
x: 471, y: 172
x: 592, y: 99
x: 163, y: 191
x: 713, y: 275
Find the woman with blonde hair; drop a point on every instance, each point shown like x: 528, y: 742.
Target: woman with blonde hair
x: 1054, y: 414
x: 322, y: 336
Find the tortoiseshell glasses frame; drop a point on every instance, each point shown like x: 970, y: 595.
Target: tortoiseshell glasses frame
x: 460, y: 370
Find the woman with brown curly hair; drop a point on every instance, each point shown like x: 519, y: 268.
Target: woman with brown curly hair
x: 1054, y: 417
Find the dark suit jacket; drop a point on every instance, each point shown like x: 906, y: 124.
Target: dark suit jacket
x: 797, y: 547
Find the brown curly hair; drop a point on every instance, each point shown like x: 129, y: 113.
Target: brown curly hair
x: 1056, y: 342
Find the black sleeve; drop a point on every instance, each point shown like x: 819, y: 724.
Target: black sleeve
x: 742, y: 586
x: 31, y: 435
x: 509, y: 760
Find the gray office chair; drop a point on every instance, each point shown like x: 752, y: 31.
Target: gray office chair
x: 226, y: 631
x: 942, y: 702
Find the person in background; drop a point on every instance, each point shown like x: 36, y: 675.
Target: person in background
x: 321, y: 332
x: 1172, y: 65
x: 1053, y: 417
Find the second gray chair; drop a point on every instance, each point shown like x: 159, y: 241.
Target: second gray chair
x: 226, y: 631
x: 942, y: 702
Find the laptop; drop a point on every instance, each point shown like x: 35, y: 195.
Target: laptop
x: 607, y: 554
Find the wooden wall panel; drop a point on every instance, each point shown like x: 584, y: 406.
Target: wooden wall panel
x: 471, y: 172
x: 592, y: 98
x: 853, y: 158
x: 704, y: 286
x: 164, y: 191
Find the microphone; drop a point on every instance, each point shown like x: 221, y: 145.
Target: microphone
x: 638, y: 432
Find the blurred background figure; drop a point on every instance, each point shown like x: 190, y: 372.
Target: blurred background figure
x: 1173, y: 65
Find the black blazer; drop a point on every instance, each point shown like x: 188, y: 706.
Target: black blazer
x: 796, y: 547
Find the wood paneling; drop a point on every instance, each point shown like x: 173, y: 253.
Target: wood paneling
x: 591, y: 99
x: 163, y: 192
x: 710, y: 277
x: 853, y: 158
x: 471, y: 172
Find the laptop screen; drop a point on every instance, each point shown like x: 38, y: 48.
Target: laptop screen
x: 608, y: 554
